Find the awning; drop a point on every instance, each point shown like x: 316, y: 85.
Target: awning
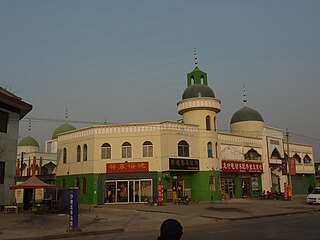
x: 33, y: 182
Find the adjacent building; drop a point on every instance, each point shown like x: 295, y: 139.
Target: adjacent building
x: 12, y: 110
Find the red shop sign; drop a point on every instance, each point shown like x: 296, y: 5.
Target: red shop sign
x: 160, y: 193
x: 236, y: 166
x: 127, y: 167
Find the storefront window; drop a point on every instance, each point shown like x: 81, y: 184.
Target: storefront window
x: 146, y: 190
x: 122, y: 191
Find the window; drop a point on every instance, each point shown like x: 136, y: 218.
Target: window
x: 215, y: 123
x: 63, y: 183
x: 307, y: 159
x: 275, y: 154
x: 64, y: 155
x: 84, y: 185
x: 253, y: 155
x: 216, y: 150
x: 147, y: 149
x: 4, y: 118
x: 208, y: 123
x: 126, y: 150
x: 183, y: 149
x: 2, y: 165
x: 297, y: 158
x: 77, y: 182
x: 106, y: 151
x: 78, y: 153
x: 212, y: 184
x: 85, y: 152
x: 209, y: 149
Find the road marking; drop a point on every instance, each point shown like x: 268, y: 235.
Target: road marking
x: 224, y: 231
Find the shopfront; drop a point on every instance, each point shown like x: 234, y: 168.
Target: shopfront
x: 128, y: 183
x: 240, y: 179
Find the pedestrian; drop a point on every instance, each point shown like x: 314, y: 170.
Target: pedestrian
x: 170, y: 229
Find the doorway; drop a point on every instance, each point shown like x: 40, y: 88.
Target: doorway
x: 245, y: 187
x: 227, y: 185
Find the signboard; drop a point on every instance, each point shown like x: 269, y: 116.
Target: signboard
x: 160, y: 193
x: 73, y: 209
x: 19, y: 195
x: 183, y: 164
x: 292, y: 166
x: 127, y: 167
x: 39, y: 193
x: 236, y: 166
x: 284, y: 167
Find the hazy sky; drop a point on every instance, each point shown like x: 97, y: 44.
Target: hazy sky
x: 127, y: 61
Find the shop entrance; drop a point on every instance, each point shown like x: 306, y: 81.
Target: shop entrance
x: 128, y: 191
x: 227, y: 187
x: 245, y: 187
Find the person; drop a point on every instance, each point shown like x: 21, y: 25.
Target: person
x: 170, y: 229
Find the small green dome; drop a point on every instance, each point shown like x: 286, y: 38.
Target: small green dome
x: 246, y: 114
x: 62, y: 129
x: 197, y: 90
x: 28, y: 141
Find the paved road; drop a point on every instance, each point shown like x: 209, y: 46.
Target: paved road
x: 298, y: 226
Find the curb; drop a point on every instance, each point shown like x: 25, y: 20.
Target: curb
x: 71, y: 234
x: 261, y: 216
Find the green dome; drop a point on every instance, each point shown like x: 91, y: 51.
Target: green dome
x: 27, y: 142
x: 198, y: 90
x: 246, y: 114
x: 62, y: 129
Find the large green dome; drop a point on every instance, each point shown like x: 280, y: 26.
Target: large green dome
x: 28, y: 142
x: 197, y: 90
x: 62, y: 129
x: 246, y: 114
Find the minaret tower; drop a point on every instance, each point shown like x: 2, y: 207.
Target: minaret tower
x: 199, y: 105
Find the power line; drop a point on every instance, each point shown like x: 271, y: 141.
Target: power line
x: 59, y: 120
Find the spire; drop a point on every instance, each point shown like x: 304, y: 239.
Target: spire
x: 244, y: 95
x: 195, y: 57
x: 66, y: 117
x: 29, y: 126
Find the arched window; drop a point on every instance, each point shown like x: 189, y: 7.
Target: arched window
x: 209, y: 149
x: 106, y: 151
x: 215, y: 124
x: 252, y: 155
x: 275, y: 154
x: 126, y: 150
x: 297, y: 158
x: 307, y: 159
x: 63, y: 183
x: 77, y: 182
x: 183, y: 149
x: 85, y: 152
x: 84, y: 185
x: 216, y: 150
x: 147, y: 149
x: 208, y: 123
x: 78, y: 153
x: 64, y: 155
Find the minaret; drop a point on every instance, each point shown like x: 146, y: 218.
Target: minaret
x: 199, y: 105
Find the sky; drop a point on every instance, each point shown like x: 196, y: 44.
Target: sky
x: 126, y: 61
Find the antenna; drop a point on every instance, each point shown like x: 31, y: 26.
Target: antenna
x: 195, y: 57
x: 244, y: 95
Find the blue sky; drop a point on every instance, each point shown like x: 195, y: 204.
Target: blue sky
x: 127, y: 61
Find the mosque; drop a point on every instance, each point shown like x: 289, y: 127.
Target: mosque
x: 134, y: 162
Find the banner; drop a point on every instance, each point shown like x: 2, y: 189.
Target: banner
x: 127, y: 167
x: 236, y: 166
x: 292, y: 166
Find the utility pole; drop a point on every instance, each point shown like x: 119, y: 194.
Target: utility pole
x: 288, y: 162
x: 21, y: 170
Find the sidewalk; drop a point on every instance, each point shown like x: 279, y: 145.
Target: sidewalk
x: 140, y: 217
